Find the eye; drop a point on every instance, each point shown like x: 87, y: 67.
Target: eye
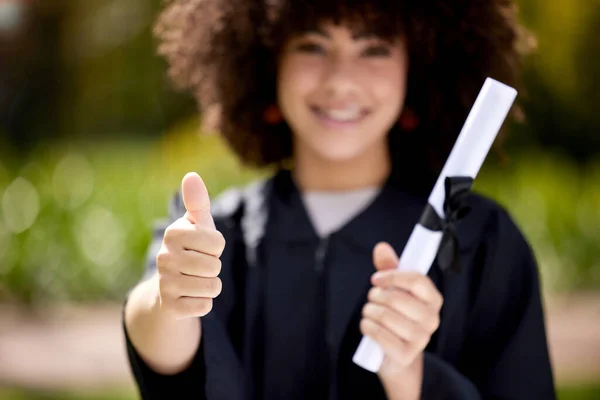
x: 310, y: 48
x: 378, y: 50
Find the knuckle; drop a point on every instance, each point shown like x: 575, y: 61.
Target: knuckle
x: 369, y: 328
x: 203, y: 307
x: 415, y: 278
x: 362, y: 326
x: 216, y: 287
x: 371, y: 296
x: 216, y: 242
x: 435, y: 324
x: 376, y: 330
x: 419, y: 286
x: 212, y: 287
x: 163, y: 258
x: 213, y: 266
x: 440, y: 300
x: 174, y: 236
x: 190, y: 307
x: 221, y: 242
x: 171, y: 233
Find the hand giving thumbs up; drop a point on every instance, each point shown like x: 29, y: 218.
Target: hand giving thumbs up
x: 188, y: 262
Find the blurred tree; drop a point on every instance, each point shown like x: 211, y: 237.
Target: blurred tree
x: 30, y: 70
x: 562, y: 77
x: 118, y: 85
x: 82, y: 69
x: 87, y: 68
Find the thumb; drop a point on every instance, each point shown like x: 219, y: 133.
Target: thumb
x: 384, y: 257
x: 196, y: 200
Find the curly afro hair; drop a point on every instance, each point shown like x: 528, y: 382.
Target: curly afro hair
x: 225, y: 52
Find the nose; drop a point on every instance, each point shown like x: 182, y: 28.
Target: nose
x: 341, y: 78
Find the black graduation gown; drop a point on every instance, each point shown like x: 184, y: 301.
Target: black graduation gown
x: 286, y: 323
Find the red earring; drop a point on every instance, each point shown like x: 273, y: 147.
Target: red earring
x: 408, y: 121
x: 273, y: 115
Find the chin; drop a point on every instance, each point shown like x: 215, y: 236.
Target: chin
x: 340, y: 146
x: 338, y: 153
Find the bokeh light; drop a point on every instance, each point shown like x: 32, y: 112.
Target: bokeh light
x: 11, y: 16
x: 72, y: 181
x: 100, y: 236
x: 20, y: 205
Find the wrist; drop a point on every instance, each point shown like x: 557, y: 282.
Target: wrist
x: 404, y: 383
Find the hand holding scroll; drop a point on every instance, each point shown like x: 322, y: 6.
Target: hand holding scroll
x: 402, y: 312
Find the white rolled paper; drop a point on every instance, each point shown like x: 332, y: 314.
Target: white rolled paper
x: 470, y: 150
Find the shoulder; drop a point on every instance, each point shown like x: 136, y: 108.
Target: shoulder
x: 502, y: 259
x: 491, y: 223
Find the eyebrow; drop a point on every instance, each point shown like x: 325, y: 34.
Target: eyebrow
x: 360, y: 35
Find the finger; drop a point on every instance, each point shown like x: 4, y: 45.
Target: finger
x: 397, y: 349
x: 397, y: 323
x: 420, y: 286
x: 384, y: 257
x: 188, y: 262
x: 205, y: 240
x: 407, y: 305
x: 196, y: 200
x: 192, y: 286
x: 197, y: 264
x: 183, y: 235
x: 186, y: 307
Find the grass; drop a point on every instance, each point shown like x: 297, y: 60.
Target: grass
x: 23, y: 394
x: 584, y: 392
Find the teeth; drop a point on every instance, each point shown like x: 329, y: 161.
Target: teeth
x: 343, y: 115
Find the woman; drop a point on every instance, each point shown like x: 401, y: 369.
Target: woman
x: 266, y: 292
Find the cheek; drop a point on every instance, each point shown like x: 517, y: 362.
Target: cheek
x: 297, y: 80
x: 390, y: 89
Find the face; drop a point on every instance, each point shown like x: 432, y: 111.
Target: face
x: 341, y: 93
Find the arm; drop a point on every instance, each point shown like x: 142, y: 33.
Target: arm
x: 161, y: 321
x: 173, y: 357
x: 163, y: 353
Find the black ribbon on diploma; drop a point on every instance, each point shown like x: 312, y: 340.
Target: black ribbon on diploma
x: 457, y: 190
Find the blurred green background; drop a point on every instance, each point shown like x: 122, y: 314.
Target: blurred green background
x: 93, y: 142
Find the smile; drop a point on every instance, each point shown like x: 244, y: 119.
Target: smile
x: 345, y: 115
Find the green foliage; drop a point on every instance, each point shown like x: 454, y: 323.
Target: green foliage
x: 555, y: 203
x: 76, y: 219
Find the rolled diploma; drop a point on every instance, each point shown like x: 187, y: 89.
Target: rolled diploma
x: 470, y: 150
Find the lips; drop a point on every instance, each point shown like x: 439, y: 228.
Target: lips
x: 345, y: 114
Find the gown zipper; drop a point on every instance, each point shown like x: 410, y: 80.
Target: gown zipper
x: 321, y: 253
x: 320, y: 258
